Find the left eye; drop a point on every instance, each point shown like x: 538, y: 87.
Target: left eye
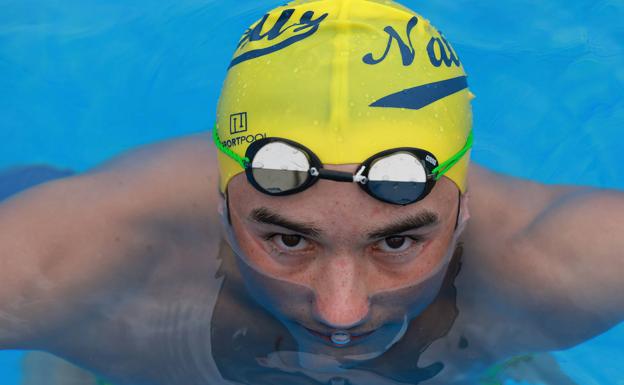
x: 395, y: 244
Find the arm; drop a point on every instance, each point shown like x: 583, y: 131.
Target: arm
x: 66, y: 245
x: 577, y: 245
x: 551, y: 258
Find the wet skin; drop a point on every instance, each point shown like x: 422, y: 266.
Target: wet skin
x: 118, y: 269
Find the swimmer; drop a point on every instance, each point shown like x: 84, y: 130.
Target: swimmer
x: 329, y: 230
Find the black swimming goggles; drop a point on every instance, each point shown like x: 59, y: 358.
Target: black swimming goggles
x: 277, y: 166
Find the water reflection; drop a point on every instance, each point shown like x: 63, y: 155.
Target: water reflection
x: 251, y: 346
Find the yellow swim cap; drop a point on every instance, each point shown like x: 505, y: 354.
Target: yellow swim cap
x: 347, y: 79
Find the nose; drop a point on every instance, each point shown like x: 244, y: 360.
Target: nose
x: 341, y: 298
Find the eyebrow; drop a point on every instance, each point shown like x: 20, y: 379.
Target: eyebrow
x: 265, y: 216
x: 412, y: 222
x: 424, y: 219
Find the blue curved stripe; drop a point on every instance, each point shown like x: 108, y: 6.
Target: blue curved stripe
x: 421, y: 96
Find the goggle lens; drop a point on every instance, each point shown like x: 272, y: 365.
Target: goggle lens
x: 399, y: 178
x: 279, y: 167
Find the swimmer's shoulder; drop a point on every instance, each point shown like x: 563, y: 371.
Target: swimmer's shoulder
x: 184, y: 168
x: 172, y: 180
x: 502, y: 205
x: 527, y: 247
x: 502, y: 208
x: 141, y: 214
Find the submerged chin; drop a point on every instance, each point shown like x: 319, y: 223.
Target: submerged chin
x: 346, y: 347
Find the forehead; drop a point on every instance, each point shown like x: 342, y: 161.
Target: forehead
x: 332, y: 202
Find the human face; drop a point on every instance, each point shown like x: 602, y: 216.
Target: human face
x: 333, y: 258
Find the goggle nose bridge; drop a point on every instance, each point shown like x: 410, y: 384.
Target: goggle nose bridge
x: 340, y: 176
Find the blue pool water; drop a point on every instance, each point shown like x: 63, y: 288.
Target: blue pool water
x: 83, y: 81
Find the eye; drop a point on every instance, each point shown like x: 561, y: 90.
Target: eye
x: 395, y: 244
x: 290, y: 242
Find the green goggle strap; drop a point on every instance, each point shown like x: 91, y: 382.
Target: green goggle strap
x: 438, y: 172
x: 444, y: 167
x: 243, y: 161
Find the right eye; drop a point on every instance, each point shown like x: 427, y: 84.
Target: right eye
x: 395, y: 244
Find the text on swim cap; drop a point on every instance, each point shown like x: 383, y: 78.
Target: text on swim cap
x: 438, y: 49
x: 244, y: 139
x: 305, y: 27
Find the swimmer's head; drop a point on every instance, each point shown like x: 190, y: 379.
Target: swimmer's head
x: 346, y: 79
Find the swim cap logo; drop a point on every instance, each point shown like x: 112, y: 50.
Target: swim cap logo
x: 304, y: 28
x: 238, y: 123
x: 438, y: 49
